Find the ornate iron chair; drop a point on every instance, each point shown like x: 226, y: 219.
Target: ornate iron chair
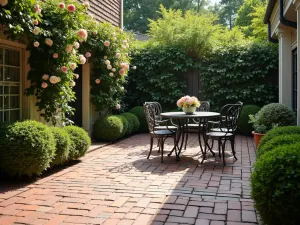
x: 194, y: 126
x: 161, y: 135
x: 226, y: 130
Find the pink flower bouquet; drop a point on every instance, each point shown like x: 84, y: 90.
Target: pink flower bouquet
x: 187, y: 102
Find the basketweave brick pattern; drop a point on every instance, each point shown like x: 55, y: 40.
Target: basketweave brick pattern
x: 106, y: 10
x: 118, y: 185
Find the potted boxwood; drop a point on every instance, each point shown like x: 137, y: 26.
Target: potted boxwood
x: 259, y: 129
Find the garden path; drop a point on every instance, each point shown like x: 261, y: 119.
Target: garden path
x: 117, y: 185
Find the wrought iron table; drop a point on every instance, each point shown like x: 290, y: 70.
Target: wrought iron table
x: 183, y: 120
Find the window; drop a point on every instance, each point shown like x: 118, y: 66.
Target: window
x: 10, y: 72
x: 294, y: 81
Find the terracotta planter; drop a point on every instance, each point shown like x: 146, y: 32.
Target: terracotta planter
x: 257, y: 137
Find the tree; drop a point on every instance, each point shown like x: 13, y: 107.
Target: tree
x: 228, y: 12
x: 137, y: 13
x: 259, y: 29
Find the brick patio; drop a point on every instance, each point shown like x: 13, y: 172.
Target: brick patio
x: 117, y: 185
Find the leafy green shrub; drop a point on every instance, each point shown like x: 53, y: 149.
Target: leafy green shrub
x: 275, y: 186
x: 140, y: 114
x: 243, y: 123
x: 3, y: 131
x: 133, y: 120
x: 29, y: 149
x: 63, y: 143
x: 125, y: 125
x: 286, y: 139
x: 276, y: 114
x: 80, y: 141
x: 109, y: 128
x: 278, y: 131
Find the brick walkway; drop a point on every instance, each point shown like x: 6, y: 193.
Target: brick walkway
x: 118, y: 185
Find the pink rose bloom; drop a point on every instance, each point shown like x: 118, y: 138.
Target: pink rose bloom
x: 48, y: 42
x: 73, y: 66
x: 36, y: 8
x: 44, y: 85
x: 69, y: 48
x: 88, y: 54
x: 123, y: 65
x: 64, y: 69
x: 107, y: 62
x: 36, y: 44
x: 191, y: 101
x: 118, y: 55
x: 118, y: 106
x: 71, y: 8
x: 95, y: 32
x: 134, y: 67
x: 179, y: 103
x: 105, y: 57
x: 97, y: 81
x: 54, y: 79
x: 76, y: 45
x: 127, y: 66
x: 36, y: 30
x: 106, y: 43
x: 82, y: 59
x: 61, y: 5
x: 113, y: 69
x: 3, y: 2
x: 111, y: 74
x: 36, y: 22
x: 55, y: 55
x: 45, y: 77
x: 122, y: 72
x: 109, y: 67
x: 123, y: 47
x: 82, y: 33
x: 76, y: 75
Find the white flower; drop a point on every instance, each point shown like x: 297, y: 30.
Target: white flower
x: 76, y: 45
x: 36, y: 44
x: 73, y: 66
x: 111, y: 74
x: 36, y: 30
x: 105, y: 57
x: 48, y: 42
x: 113, y: 69
x: 118, y: 55
x: 72, y: 83
x: 107, y: 62
x: 134, y: 67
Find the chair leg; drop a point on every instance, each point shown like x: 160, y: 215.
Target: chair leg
x: 151, y: 146
x: 162, y: 149
x: 223, y: 153
x: 232, y: 147
x: 220, y: 145
x: 186, y: 140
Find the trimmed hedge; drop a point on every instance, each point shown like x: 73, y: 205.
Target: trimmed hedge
x: 29, y: 149
x: 109, y: 128
x: 275, y: 186
x: 243, y: 123
x: 277, y: 132
x: 140, y: 114
x: 287, y: 139
x: 125, y: 125
x: 133, y: 120
x: 80, y: 141
x: 62, y: 148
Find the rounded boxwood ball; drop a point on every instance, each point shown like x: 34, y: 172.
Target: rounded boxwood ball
x: 276, y: 114
x: 109, y: 128
x: 63, y: 143
x: 129, y: 124
x: 29, y: 149
x: 125, y: 125
x: 278, y: 131
x: 275, y: 186
x: 140, y: 114
x: 133, y: 120
x: 286, y: 139
x: 80, y: 141
x: 244, y: 126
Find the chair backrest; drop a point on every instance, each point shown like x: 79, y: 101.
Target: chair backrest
x: 204, y: 106
x: 150, y: 110
x: 229, y: 116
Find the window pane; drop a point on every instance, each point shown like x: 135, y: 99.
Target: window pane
x: 12, y: 58
x: 1, y: 116
x: 14, y: 115
x: 14, y: 102
x: 6, y: 102
x: 1, y: 88
x: 14, y: 89
x: 12, y: 74
x: 1, y: 55
x: 1, y: 102
x: 6, y: 90
x: 6, y: 116
x: 1, y: 72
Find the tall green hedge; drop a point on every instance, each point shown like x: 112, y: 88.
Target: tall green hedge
x: 247, y: 73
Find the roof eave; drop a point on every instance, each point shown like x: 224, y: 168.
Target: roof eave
x: 269, y: 10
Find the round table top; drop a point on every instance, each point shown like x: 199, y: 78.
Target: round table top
x: 183, y: 115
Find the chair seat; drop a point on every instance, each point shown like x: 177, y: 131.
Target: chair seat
x: 163, y: 132
x: 194, y: 125
x: 219, y: 130
x: 165, y: 128
x: 219, y: 134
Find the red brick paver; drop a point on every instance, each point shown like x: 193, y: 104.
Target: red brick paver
x: 116, y: 184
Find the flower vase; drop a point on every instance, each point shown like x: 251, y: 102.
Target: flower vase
x: 189, y: 110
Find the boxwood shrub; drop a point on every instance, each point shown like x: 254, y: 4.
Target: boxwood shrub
x: 139, y: 112
x: 29, y: 149
x: 125, y: 125
x: 275, y: 185
x: 277, y: 132
x: 80, y: 141
x: 243, y: 123
x: 286, y: 139
x: 63, y: 143
x: 109, y: 128
x: 133, y: 120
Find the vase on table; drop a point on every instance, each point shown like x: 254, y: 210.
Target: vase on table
x: 189, y: 110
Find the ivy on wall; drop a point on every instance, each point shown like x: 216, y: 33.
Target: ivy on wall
x: 61, y: 35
